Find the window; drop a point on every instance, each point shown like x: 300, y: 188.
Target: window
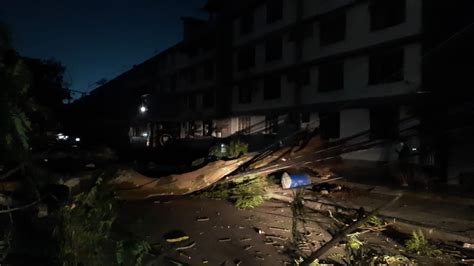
x: 192, y: 52
x: 271, y: 124
x: 173, y: 81
x: 209, y: 70
x: 273, y: 49
x: 329, y: 125
x: 305, y: 117
x: 246, y: 58
x: 274, y: 10
x: 384, y: 123
x: 331, y: 76
x: 386, y: 67
x: 300, y: 77
x: 272, y: 88
x: 301, y: 32
x: 332, y: 29
x: 192, y: 102
x: 305, y: 78
x: 208, y: 128
x: 245, y: 93
x: 208, y: 99
x: 244, y: 125
x: 384, y: 14
x: 192, y: 75
x: 247, y: 23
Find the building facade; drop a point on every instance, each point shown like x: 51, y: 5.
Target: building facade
x: 272, y: 67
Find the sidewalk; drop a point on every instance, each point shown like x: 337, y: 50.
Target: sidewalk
x: 448, y: 210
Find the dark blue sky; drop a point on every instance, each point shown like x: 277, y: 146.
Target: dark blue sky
x: 95, y: 39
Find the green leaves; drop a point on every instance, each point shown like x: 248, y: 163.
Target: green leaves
x: 419, y: 245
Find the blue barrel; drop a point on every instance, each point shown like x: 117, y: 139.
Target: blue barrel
x: 290, y: 180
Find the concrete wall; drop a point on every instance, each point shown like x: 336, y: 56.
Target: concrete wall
x: 258, y: 101
x: 358, y: 34
x: 356, y: 69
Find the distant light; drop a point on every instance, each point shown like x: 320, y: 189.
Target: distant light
x: 414, y: 149
x: 78, y: 139
x: 66, y: 137
x: 145, y: 135
x: 143, y: 109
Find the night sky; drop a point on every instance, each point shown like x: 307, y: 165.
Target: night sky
x: 96, y: 39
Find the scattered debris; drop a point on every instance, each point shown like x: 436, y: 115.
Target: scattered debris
x: 190, y: 245
x: 224, y: 239
x: 259, y: 257
x: 261, y: 232
x: 42, y: 210
x: 269, y: 241
x: 248, y: 247
x: 279, y: 229
x: 90, y: 165
x: 468, y: 245
x: 184, y: 254
x: 245, y: 239
x: 276, y: 237
x: 237, y: 262
x: 204, y: 261
x: 202, y: 219
x: 176, y: 236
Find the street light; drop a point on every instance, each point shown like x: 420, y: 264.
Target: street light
x: 143, y: 109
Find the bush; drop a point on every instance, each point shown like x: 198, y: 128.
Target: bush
x: 231, y: 151
x: 246, y: 192
x: 419, y: 245
x: 84, y: 228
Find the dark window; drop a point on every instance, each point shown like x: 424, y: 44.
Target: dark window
x: 273, y: 49
x: 192, y: 102
x: 301, y: 77
x: 384, y: 14
x: 207, y: 127
x: 192, y: 75
x: 245, y: 93
x: 271, y: 124
x: 384, y: 123
x: 305, y: 117
x: 192, y: 52
x: 305, y: 78
x: 274, y: 10
x: 272, y: 88
x: 246, y: 23
x: 173, y: 81
x: 301, y: 32
x: 209, y: 70
x: 208, y: 99
x: 386, y: 67
x: 329, y: 125
x: 332, y: 29
x: 246, y: 58
x: 331, y: 76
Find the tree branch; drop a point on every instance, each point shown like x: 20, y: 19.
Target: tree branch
x: 326, y: 247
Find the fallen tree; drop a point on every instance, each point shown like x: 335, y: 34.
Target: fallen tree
x: 131, y: 185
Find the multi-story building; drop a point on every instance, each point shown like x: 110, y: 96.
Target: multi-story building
x: 271, y: 67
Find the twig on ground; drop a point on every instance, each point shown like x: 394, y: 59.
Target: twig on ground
x: 21, y: 207
x: 326, y: 247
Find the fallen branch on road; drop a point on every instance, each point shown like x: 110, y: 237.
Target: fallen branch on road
x: 326, y: 247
